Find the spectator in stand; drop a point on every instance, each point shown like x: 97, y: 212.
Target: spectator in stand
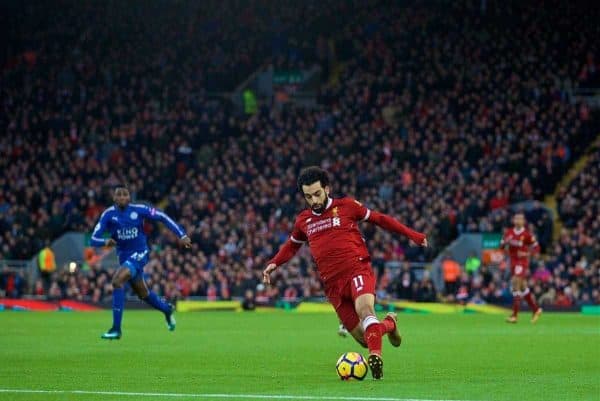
x: 451, y: 271
x: 472, y: 263
x: 425, y: 120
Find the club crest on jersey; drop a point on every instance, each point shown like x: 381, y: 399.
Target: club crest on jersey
x: 133, y: 215
x: 336, y: 222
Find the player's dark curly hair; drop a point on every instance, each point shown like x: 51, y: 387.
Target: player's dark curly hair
x: 312, y: 174
x: 119, y: 185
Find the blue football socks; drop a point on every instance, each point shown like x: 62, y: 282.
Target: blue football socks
x: 118, y: 305
x: 157, y: 303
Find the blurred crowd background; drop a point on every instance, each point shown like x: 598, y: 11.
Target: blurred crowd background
x: 441, y: 114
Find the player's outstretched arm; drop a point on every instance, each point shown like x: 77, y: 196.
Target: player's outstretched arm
x: 158, y: 215
x: 390, y: 224
x: 286, y: 252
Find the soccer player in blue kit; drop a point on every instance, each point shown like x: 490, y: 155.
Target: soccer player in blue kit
x: 124, y: 221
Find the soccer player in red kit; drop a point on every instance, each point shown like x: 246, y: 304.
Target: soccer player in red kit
x: 520, y: 243
x: 330, y: 228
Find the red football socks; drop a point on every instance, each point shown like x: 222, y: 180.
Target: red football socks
x: 373, y: 338
x: 388, y: 325
x: 531, y: 302
x: 373, y: 333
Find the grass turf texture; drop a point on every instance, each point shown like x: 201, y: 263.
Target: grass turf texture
x: 442, y: 357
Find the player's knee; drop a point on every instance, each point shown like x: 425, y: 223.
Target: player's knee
x: 362, y: 342
x: 116, y: 282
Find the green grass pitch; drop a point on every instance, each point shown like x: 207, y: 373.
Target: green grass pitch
x: 287, y: 355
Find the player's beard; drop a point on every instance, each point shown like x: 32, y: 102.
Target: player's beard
x: 318, y: 207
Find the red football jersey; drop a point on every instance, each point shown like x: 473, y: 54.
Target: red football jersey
x: 333, y: 236
x: 520, y: 244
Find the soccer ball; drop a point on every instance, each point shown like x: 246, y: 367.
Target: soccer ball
x: 351, y: 365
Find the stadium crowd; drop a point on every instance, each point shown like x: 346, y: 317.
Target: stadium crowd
x: 437, y: 119
x: 575, y: 257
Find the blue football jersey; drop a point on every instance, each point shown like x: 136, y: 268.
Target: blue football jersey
x: 126, y: 228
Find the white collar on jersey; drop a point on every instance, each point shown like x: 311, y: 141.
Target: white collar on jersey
x: 329, y: 202
x: 518, y: 230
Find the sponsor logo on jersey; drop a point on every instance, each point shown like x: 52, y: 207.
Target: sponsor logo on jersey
x: 323, y: 224
x: 127, y: 233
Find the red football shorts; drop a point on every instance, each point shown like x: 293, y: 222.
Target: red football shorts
x: 519, y: 270
x: 342, y: 293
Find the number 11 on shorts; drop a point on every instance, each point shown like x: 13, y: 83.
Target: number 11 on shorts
x: 358, y: 282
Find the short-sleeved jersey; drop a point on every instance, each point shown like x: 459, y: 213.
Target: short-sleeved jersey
x: 334, y: 238
x: 126, y: 228
x: 519, y: 244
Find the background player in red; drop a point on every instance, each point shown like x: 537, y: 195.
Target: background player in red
x: 521, y: 243
x: 330, y: 227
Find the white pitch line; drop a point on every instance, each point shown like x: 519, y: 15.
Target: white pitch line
x: 212, y: 395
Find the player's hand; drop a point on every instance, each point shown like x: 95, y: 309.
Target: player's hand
x: 267, y: 273
x: 424, y: 244
x: 185, y: 241
x: 110, y: 242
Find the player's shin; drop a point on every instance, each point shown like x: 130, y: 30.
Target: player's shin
x: 516, y: 303
x: 528, y: 296
x: 373, y: 334
x: 157, y: 303
x: 118, y: 304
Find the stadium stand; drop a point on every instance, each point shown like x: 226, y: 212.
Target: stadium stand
x: 441, y: 114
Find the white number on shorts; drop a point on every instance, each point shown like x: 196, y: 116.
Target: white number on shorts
x: 358, y: 282
x: 518, y: 269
